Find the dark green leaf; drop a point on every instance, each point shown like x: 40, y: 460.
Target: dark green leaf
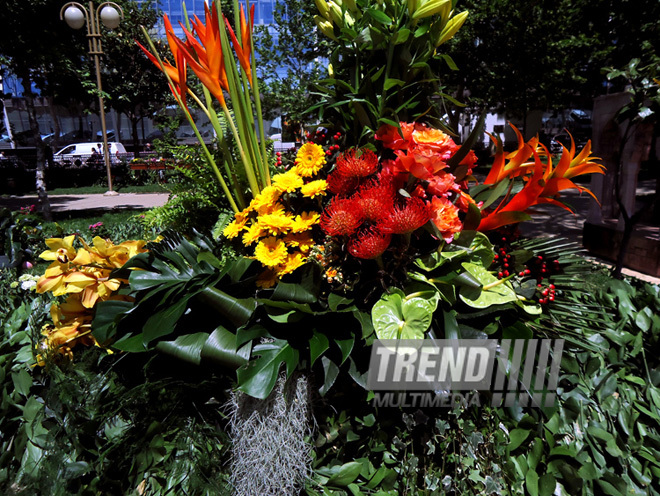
x: 257, y: 377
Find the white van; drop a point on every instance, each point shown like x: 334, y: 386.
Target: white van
x: 80, y: 153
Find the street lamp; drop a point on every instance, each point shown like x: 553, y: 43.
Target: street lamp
x: 110, y: 14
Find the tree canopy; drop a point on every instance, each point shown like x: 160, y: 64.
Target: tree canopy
x: 547, y: 54
x: 291, y: 57
x: 136, y: 88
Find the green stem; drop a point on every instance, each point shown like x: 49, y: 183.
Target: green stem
x: 496, y: 283
x: 260, y: 119
x: 247, y: 165
x: 417, y: 294
x: 228, y: 160
x: 186, y: 112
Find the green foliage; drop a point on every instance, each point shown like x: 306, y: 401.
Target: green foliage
x: 515, y: 57
x: 393, y: 451
x: 640, y: 82
x: 602, y: 437
x: 605, y: 435
x: 290, y: 60
x: 104, y: 424
x: 117, y: 226
x: 196, y: 200
x: 20, y: 236
x: 384, y: 67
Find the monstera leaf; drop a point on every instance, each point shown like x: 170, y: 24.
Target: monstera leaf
x: 397, y: 316
x: 257, y: 377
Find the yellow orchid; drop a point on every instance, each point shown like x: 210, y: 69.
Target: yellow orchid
x: 85, y: 276
x: 61, y: 249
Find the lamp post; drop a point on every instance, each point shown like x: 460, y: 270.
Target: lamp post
x: 110, y: 14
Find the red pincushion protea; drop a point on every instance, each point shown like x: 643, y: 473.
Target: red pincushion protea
x: 406, y: 218
x: 369, y: 244
x: 342, y: 217
x: 357, y: 163
x: 374, y: 199
x: 340, y: 184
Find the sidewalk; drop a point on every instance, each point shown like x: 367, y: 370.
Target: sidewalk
x: 550, y: 221
x: 64, y: 203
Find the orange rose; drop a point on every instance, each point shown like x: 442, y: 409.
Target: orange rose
x: 445, y: 217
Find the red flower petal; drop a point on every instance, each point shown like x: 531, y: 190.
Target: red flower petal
x: 357, y: 163
x: 369, y: 244
x: 406, y: 218
x: 341, y: 218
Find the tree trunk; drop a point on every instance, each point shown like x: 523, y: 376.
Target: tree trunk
x: 41, y: 146
x: 134, y: 131
x: 53, y: 115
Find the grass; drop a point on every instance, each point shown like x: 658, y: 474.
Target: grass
x: 123, y: 224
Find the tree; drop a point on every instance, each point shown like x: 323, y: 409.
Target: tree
x: 134, y: 86
x: 291, y: 58
x: 37, y: 47
x: 637, y: 120
x: 517, y: 56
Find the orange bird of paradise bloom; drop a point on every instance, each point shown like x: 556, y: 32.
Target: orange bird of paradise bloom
x: 176, y: 73
x: 244, y: 48
x: 205, y: 56
x: 543, y: 182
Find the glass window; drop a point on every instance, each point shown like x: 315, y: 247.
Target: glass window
x: 266, y: 12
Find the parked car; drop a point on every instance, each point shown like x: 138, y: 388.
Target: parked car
x: 88, y: 153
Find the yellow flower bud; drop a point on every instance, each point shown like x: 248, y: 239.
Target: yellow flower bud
x: 431, y: 7
x: 453, y: 25
x: 324, y: 10
x: 325, y: 27
x: 336, y: 14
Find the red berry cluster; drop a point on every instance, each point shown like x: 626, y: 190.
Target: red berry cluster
x: 320, y: 137
x: 547, y: 293
x: 542, y: 268
x: 504, y: 261
x: 537, y: 269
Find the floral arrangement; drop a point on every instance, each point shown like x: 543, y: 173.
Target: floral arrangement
x: 374, y: 201
x: 279, y: 221
x: 84, y: 276
x: 382, y: 232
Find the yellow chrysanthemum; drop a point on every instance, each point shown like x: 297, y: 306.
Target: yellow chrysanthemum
x: 303, y: 241
x: 314, y: 188
x: 309, y: 160
x: 253, y: 233
x: 268, y: 196
x: 234, y: 228
x: 271, y: 252
x: 276, y: 223
x: 305, y: 221
x: 267, y: 279
x: 288, y: 181
x: 293, y: 261
x: 273, y: 208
